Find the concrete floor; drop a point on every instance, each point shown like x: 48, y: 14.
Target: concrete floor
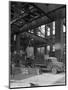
x: 44, y: 79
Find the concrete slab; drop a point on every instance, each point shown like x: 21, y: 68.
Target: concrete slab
x: 40, y: 80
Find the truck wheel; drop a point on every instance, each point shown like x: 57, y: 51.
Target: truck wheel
x: 54, y: 70
x: 40, y: 71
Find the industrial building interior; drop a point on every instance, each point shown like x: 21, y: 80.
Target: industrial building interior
x: 37, y: 43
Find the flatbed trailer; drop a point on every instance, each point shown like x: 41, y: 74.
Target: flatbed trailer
x: 42, y: 66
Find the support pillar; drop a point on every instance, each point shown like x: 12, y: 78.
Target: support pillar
x: 59, y: 39
x: 35, y: 48
x: 51, y: 36
x: 45, y: 37
x: 18, y: 42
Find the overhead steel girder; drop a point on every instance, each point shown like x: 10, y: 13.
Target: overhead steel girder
x: 31, y: 25
x: 45, y: 19
x: 35, y: 23
x: 40, y: 21
x: 36, y: 38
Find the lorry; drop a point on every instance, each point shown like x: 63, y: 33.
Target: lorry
x: 51, y: 64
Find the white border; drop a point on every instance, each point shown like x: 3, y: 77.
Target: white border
x: 4, y: 43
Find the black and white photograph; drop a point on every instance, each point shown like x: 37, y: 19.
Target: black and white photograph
x: 37, y: 44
